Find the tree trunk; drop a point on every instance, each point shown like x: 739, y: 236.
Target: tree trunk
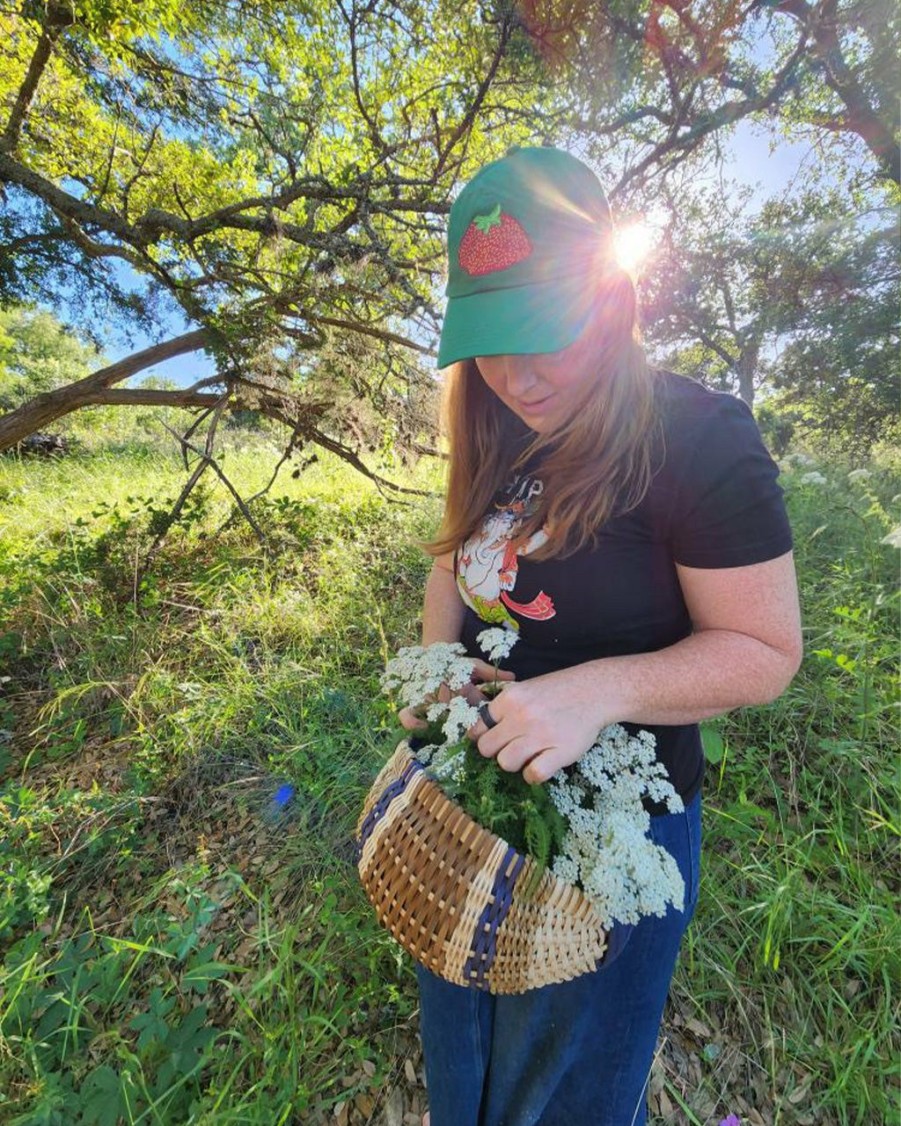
x: 747, y: 369
x: 93, y: 389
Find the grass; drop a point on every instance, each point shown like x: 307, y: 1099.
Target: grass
x: 182, y: 937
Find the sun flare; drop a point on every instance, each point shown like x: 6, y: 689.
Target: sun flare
x: 632, y: 245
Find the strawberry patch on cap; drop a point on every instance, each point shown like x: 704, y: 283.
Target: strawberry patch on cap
x: 492, y: 242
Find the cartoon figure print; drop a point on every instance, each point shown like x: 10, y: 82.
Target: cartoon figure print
x: 488, y: 562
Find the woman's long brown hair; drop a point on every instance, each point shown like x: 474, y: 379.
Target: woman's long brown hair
x: 597, y: 464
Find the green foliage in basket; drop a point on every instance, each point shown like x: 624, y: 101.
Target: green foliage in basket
x: 503, y: 802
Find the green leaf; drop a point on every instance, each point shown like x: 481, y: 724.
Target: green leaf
x: 714, y: 745
x: 199, y: 977
x: 102, y: 1097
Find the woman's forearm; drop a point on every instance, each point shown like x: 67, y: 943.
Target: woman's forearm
x: 705, y: 675
x: 442, y: 608
x: 550, y: 721
x: 745, y: 649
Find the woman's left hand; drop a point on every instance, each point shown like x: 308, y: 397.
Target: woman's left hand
x: 541, y: 726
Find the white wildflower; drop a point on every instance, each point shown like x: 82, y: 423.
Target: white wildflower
x: 415, y: 673
x: 812, y: 478
x: 427, y: 752
x: 625, y: 874
x: 893, y: 539
x: 461, y: 715
x: 606, y: 848
x: 448, y: 764
x: 566, y: 869
x: 497, y: 642
x: 859, y: 475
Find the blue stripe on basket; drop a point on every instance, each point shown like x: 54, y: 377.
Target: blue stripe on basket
x: 484, y: 940
x: 380, y: 808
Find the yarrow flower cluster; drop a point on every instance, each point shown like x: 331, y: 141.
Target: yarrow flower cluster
x: 497, y: 642
x: 812, y: 478
x: 798, y: 459
x: 416, y: 677
x: 893, y: 539
x: 417, y: 674
x: 461, y: 715
x: 606, y: 849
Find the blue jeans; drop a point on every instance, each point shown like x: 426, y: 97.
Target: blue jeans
x: 576, y: 1054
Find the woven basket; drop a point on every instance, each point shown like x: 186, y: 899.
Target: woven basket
x: 451, y: 893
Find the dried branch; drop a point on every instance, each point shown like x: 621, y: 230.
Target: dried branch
x: 204, y: 463
x: 289, y: 449
x: 295, y: 443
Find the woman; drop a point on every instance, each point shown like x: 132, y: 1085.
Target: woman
x: 628, y: 524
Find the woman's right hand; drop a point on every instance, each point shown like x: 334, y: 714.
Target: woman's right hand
x: 482, y: 673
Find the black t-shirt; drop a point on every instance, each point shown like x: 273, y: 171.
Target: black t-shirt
x: 713, y: 502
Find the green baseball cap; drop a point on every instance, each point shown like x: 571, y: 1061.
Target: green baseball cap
x: 526, y: 237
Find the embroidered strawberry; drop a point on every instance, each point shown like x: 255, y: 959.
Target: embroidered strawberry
x: 492, y: 242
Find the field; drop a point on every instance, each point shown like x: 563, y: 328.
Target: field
x: 183, y: 753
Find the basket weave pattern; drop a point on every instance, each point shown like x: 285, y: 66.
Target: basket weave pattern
x: 452, y: 894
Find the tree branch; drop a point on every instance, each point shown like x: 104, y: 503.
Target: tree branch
x: 59, y: 16
x: 862, y: 118
x: 724, y: 115
x: 481, y: 93
x: 378, y: 333
x: 348, y: 455
x: 352, y: 19
x: 155, y: 222
x: 63, y: 203
x: 148, y: 397
x: 51, y: 405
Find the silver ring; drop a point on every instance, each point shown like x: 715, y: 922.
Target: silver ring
x: 486, y: 717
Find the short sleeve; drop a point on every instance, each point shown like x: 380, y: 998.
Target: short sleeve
x: 729, y: 509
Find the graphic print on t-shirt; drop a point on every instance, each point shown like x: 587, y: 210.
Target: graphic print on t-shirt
x: 487, y: 563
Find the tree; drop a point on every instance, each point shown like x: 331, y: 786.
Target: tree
x: 673, y: 75
x: 37, y: 354
x: 706, y: 302
x: 838, y: 369
x: 279, y: 174
x: 799, y: 296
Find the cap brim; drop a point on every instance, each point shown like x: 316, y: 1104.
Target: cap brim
x: 529, y: 319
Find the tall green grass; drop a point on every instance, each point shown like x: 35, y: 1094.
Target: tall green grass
x: 181, y: 932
